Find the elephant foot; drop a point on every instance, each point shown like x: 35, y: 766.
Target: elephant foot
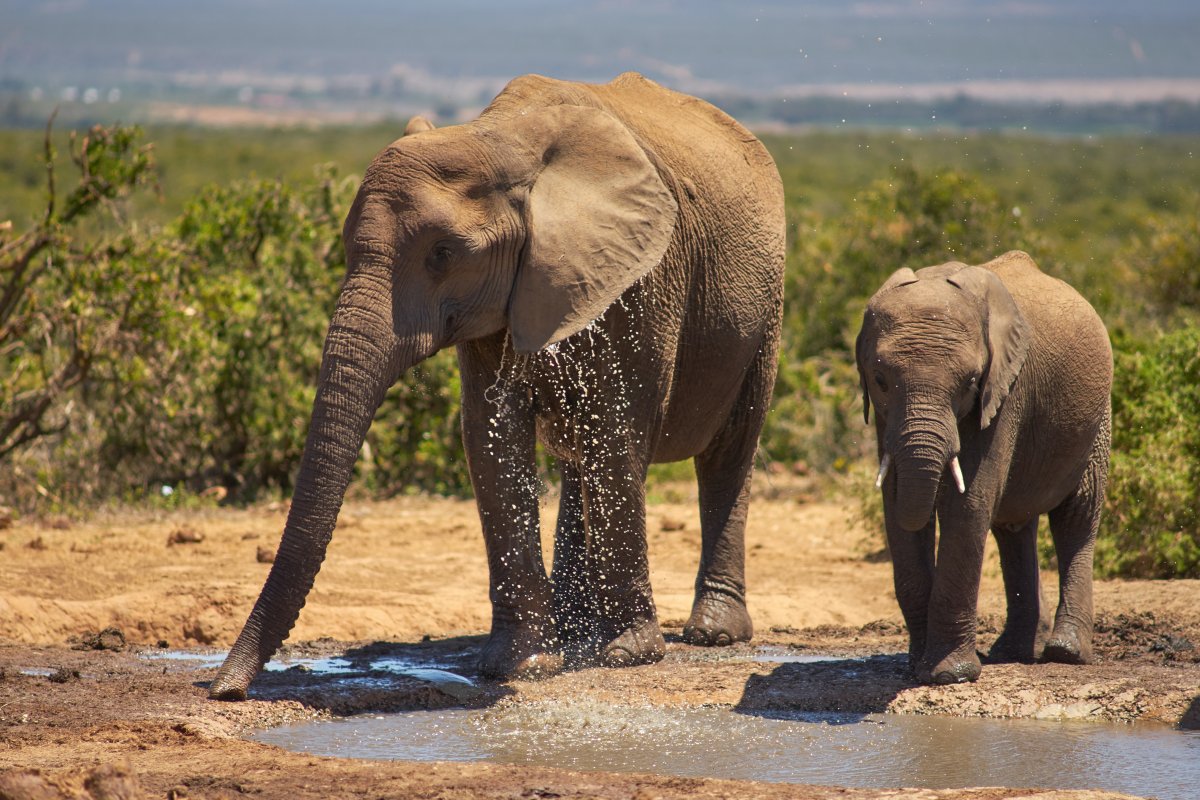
x: 642, y: 643
x: 1068, y: 645
x: 1018, y: 646
x: 718, y: 620
x: 519, y: 653
x: 958, y: 667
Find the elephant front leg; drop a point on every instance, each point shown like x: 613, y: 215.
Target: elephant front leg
x: 499, y: 442
x: 912, y: 554
x: 614, y: 509
x: 950, y: 655
x: 1026, y: 626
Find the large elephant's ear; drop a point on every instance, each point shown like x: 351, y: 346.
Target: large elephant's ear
x: 417, y: 124
x: 598, y: 218
x: 1007, y: 336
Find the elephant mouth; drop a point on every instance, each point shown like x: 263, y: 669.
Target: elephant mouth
x: 953, y: 465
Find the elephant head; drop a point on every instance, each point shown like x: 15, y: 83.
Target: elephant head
x: 530, y: 219
x: 936, y: 346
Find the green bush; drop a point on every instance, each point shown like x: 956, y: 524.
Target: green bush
x: 186, y: 354
x: 1151, y: 526
x: 912, y: 219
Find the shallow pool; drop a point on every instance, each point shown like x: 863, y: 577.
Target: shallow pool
x: 877, y: 750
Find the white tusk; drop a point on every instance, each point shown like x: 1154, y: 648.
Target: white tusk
x: 956, y: 471
x: 884, y: 463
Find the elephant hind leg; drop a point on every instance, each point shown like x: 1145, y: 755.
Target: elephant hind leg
x: 575, y: 607
x: 723, y: 475
x: 1074, y: 524
x: 625, y: 629
x: 1026, y: 626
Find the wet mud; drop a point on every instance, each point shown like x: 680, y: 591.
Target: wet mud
x: 84, y: 713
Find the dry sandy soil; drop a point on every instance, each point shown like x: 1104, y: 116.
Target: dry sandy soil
x: 89, y: 716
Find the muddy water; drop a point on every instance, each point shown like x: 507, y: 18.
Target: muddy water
x: 866, y: 751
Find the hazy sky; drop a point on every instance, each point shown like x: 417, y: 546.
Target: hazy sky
x: 693, y: 44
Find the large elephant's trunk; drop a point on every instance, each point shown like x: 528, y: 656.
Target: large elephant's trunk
x: 923, y: 450
x: 361, y: 361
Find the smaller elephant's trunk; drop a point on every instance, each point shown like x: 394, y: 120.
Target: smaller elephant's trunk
x: 925, y: 448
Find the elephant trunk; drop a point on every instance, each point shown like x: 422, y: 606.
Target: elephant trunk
x: 924, y: 447
x: 361, y: 360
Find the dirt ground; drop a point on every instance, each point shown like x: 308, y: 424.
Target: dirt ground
x: 91, y: 716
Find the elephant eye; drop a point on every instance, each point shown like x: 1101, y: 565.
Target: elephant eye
x: 439, y: 258
x: 881, y: 383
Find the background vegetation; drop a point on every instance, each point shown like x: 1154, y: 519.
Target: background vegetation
x: 162, y: 308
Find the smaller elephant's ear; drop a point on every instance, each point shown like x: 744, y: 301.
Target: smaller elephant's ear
x: 1007, y: 336
x: 598, y: 219
x: 901, y: 277
x: 417, y: 124
x: 862, y: 373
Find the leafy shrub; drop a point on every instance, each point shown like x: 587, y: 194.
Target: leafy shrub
x: 912, y: 219
x: 1170, y: 261
x: 187, y: 355
x: 263, y: 263
x: 1151, y: 526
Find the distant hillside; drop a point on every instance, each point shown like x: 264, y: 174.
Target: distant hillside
x: 348, y: 60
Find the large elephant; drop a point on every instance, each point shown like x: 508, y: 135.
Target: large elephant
x: 608, y: 260
x: 991, y: 386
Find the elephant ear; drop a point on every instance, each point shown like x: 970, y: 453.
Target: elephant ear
x: 417, y: 124
x: 1007, y: 336
x: 901, y: 277
x: 862, y: 374
x: 598, y: 219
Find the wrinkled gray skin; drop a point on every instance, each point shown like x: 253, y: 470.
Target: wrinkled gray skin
x: 608, y: 261
x: 1011, y: 371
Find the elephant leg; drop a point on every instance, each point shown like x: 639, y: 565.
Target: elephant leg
x: 1026, y: 626
x: 912, y: 554
x: 499, y: 439
x: 575, y: 611
x: 723, y: 474
x: 1073, y: 525
x: 614, y: 514
x: 950, y: 655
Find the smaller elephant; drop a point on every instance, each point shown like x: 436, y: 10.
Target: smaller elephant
x: 992, y: 389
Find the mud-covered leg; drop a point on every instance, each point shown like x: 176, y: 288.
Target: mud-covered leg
x: 1026, y: 626
x: 1074, y: 524
x: 575, y: 609
x: 498, y: 434
x: 723, y: 476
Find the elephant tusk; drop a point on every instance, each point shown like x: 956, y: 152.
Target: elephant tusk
x: 884, y: 463
x: 956, y: 471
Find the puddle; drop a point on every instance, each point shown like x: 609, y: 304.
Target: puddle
x: 358, y: 671
x: 38, y: 672
x: 783, y: 655
x: 869, y: 751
